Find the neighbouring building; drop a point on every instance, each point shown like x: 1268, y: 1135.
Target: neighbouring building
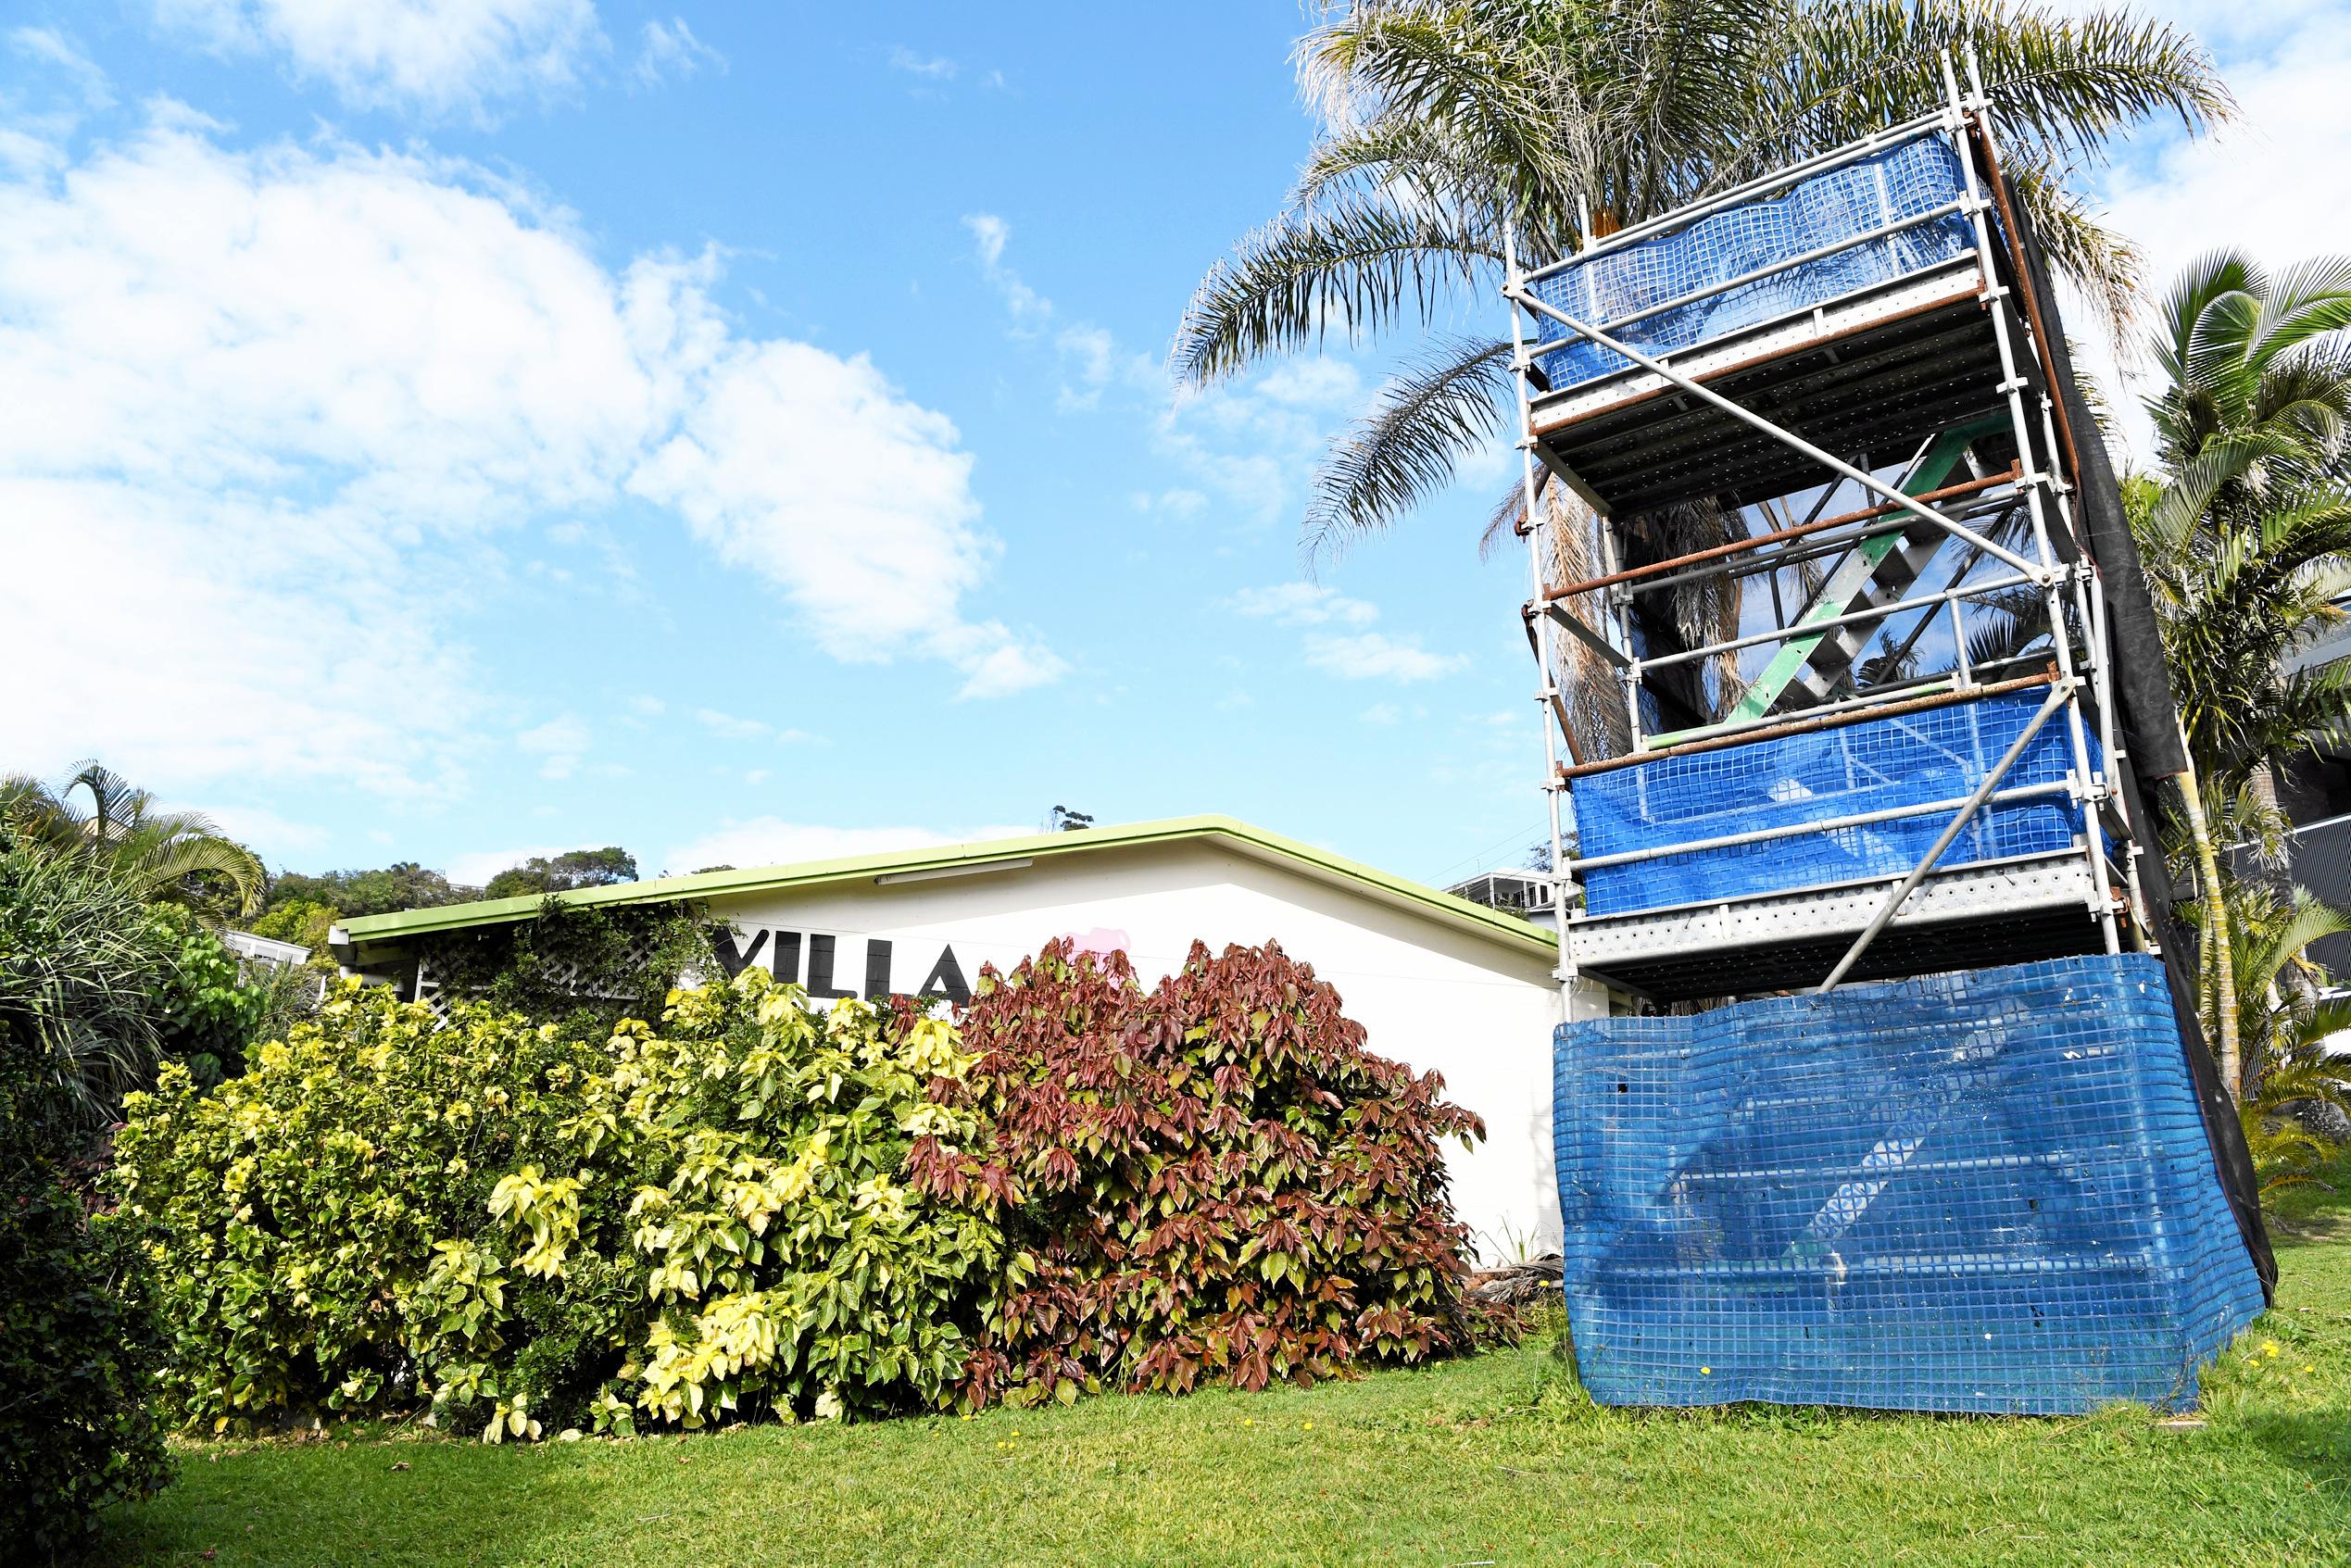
x: 1437, y: 982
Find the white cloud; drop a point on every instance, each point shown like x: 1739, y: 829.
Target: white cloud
x: 729, y: 726
x: 559, y: 743
x: 1089, y: 358
x: 59, y: 53
x: 1359, y: 656
x: 1175, y: 501
x: 187, y: 638
x: 989, y: 232
x: 433, y: 57
x: 938, y: 68
x: 42, y: 110
x: 1317, y: 384
x: 669, y: 52
x: 1304, y: 604
x: 990, y: 235
x: 1383, y: 713
x: 726, y: 726
x: 1370, y: 656
x: 269, y: 412
x: 812, y: 471
x: 268, y: 834
x: 1251, y: 441
x: 771, y: 841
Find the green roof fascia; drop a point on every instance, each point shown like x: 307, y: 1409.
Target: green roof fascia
x: 809, y: 874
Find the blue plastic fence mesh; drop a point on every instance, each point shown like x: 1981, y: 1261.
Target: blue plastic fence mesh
x: 1880, y: 764
x: 1987, y: 1192
x: 1903, y: 181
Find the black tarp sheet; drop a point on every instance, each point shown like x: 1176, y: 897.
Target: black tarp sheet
x: 2149, y: 719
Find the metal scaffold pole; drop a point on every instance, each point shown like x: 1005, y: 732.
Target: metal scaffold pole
x: 1548, y: 694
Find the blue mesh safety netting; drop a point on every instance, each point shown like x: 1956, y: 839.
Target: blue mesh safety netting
x: 1917, y: 759
x: 1901, y: 182
x: 1987, y: 1192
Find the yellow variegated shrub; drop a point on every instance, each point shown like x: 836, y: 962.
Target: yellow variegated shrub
x: 532, y: 1233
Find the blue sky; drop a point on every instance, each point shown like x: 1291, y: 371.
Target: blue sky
x: 454, y: 428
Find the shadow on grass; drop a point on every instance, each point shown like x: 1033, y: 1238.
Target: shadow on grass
x: 2316, y: 1443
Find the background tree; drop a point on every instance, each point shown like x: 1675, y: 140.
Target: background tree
x: 2294, y: 1089
x: 560, y: 873
x: 2242, y: 538
x: 401, y: 885
x: 302, y: 920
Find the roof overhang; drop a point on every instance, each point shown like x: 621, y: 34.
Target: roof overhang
x: 954, y: 859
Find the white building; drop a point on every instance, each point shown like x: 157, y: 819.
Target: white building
x: 1436, y: 981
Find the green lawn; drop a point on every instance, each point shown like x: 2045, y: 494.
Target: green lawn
x: 1497, y: 1459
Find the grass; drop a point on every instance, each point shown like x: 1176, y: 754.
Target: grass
x: 1495, y: 1460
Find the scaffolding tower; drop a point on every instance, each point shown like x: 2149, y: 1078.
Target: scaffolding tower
x: 1836, y: 386
x: 1824, y: 555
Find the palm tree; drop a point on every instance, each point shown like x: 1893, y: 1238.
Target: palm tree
x: 2244, y: 545
x: 2251, y: 429
x: 1444, y: 122
x: 2284, y: 1014
x: 2285, y: 1024
x: 162, y: 855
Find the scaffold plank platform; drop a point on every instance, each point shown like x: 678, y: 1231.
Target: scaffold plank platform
x: 2011, y: 911
x: 1875, y: 374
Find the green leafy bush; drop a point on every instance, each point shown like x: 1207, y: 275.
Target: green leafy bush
x: 79, y: 1350
x: 1211, y: 1180
x: 204, y: 1013
x: 78, y: 1346
x: 528, y: 1230
x: 754, y: 1208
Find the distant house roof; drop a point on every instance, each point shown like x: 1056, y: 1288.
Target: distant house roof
x: 1224, y: 831
x: 264, y: 949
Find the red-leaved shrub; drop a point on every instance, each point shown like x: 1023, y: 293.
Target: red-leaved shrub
x: 1211, y: 1180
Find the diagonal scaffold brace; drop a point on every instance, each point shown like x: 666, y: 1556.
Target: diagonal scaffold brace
x: 2058, y: 693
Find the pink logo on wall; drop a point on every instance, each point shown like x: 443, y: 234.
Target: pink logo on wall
x: 1101, y: 941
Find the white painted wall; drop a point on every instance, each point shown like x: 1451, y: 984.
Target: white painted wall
x: 1429, y: 993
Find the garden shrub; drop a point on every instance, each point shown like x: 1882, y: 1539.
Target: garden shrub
x: 754, y: 1208
x: 1213, y: 1180
x: 205, y: 1011
x: 77, y: 1344
x: 528, y: 1230
x: 78, y: 1351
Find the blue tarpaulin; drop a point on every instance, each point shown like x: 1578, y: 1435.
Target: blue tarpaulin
x: 1988, y: 1192
x: 1916, y: 759
x: 1901, y: 182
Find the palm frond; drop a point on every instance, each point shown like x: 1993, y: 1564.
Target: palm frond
x: 1406, y: 448
x: 1353, y: 266
x: 1439, y: 65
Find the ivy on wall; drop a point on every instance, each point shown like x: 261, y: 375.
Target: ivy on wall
x: 584, y: 967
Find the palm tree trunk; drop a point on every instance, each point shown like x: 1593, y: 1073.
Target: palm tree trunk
x: 2217, y: 958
